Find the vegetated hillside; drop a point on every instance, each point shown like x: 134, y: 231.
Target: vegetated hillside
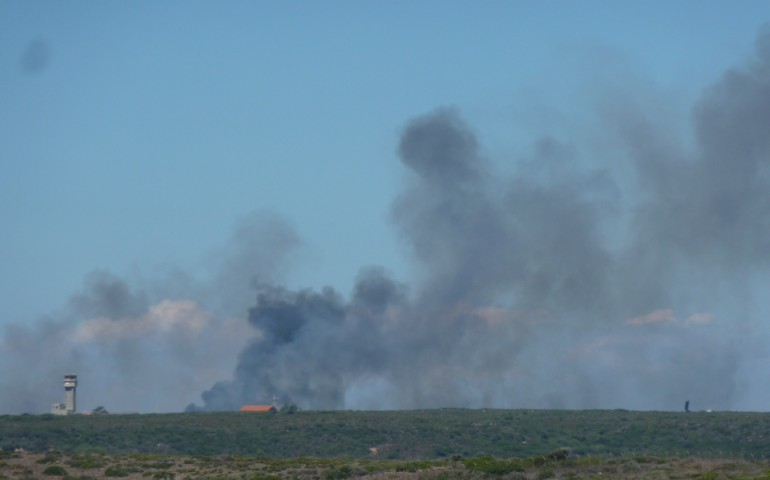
x: 142, y: 466
x: 423, y: 434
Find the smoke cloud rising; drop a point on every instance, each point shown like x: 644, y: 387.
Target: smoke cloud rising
x: 631, y: 285
x: 146, y: 345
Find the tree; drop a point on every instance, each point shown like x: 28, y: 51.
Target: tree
x: 289, y: 408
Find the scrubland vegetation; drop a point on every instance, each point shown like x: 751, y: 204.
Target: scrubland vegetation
x: 92, y: 466
x: 442, y: 444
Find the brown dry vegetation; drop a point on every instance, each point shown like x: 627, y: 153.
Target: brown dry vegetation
x: 52, y: 465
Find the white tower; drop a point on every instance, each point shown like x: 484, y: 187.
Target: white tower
x: 70, y: 385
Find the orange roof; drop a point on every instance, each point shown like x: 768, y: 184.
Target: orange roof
x: 258, y: 408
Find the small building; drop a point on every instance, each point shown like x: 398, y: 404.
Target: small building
x: 259, y: 408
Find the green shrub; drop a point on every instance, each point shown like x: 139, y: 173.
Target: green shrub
x: 55, y: 470
x: 560, y: 454
x: 545, y: 474
x: 85, y: 461
x: 290, y: 408
x: 116, y: 471
x: 493, y: 466
x: 709, y: 476
x: 339, y: 473
x: 413, y: 466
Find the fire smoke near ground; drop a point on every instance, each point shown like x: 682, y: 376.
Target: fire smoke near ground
x: 561, y: 286
x: 522, y: 299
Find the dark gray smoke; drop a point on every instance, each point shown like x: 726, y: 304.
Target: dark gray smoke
x: 143, y: 345
x: 106, y: 295
x: 556, y: 287
x: 580, y: 282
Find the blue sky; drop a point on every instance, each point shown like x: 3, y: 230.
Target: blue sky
x: 152, y: 127
x: 135, y: 136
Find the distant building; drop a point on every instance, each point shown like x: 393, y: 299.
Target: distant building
x: 259, y: 408
x: 69, y: 405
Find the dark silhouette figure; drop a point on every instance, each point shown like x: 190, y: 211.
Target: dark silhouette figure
x: 687, y: 406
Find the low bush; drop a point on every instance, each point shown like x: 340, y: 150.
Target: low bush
x: 560, y: 454
x: 55, y: 470
x: 545, y: 474
x: 85, y: 461
x: 116, y: 471
x: 414, y: 466
x: 340, y: 473
x: 264, y: 477
x: 493, y: 466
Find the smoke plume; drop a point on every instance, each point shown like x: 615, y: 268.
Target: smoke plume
x: 557, y: 287
x: 634, y: 284
x: 521, y: 296
x: 146, y: 345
